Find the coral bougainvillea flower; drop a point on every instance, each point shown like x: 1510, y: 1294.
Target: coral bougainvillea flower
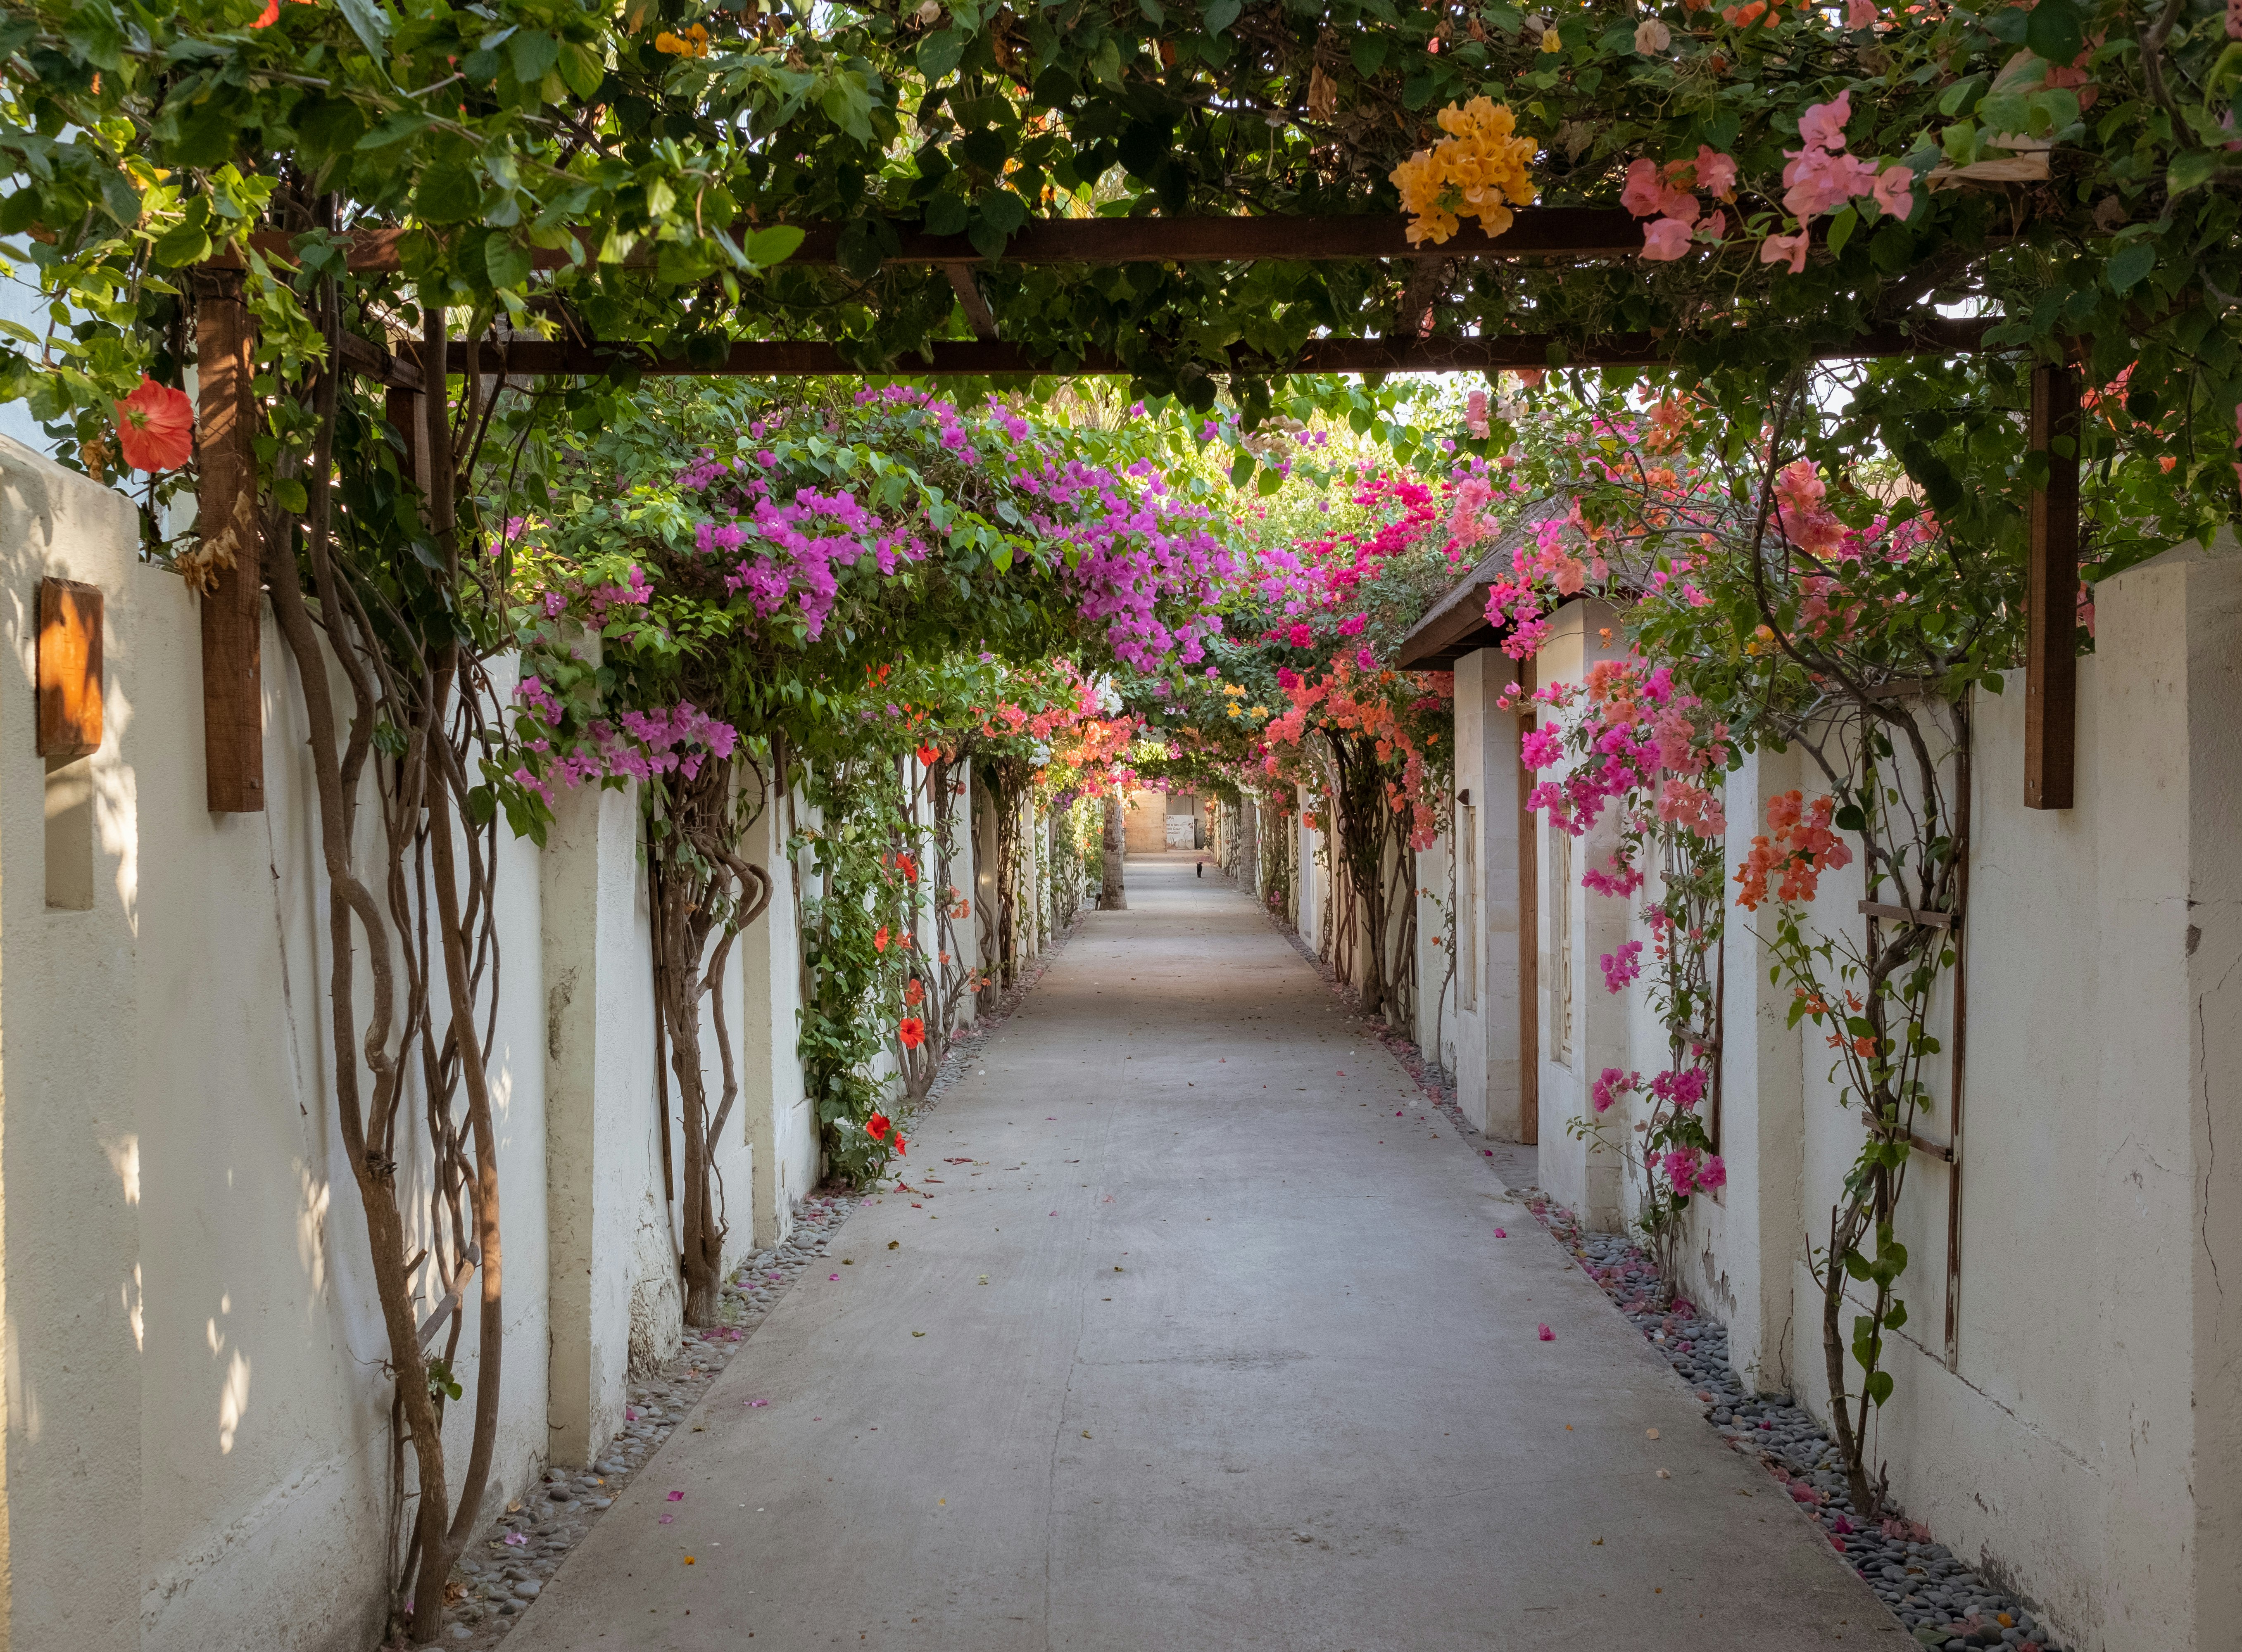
x: 912, y: 1030
x: 877, y: 1127
x: 155, y: 427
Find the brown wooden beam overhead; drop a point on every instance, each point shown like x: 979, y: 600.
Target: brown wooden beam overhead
x: 226, y: 514
x: 794, y: 359
x: 2051, y: 594
x: 1537, y: 232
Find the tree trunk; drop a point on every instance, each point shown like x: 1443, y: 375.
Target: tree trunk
x: 1114, y: 896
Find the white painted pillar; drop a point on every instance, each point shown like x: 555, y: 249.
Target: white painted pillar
x: 1739, y: 1258
x: 1583, y: 1027
x: 1307, y: 898
x: 600, y: 1105
x: 1487, y: 1021
x: 779, y: 1123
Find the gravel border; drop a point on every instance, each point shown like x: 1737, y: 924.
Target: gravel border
x: 1939, y: 1601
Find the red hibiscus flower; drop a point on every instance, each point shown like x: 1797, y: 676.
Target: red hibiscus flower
x: 912, y: 1030
x: 880, y: 939
x: 913, y: 990
x: 929, y: 755
x: 899, y: 1146
x: 155, y: 427
x: 877, y: 1127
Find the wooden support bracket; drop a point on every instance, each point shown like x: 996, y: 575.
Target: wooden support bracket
x: 2051, y: 595
x: 233, y: 699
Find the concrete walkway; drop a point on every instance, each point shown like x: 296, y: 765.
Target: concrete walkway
x: 1197, y: 1335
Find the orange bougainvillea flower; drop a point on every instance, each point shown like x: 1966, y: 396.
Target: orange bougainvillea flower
x: 912, y: 1030
x: 877, y: 1127
x: 155, y: 427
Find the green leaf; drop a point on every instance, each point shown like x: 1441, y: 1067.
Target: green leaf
x: 1240, y: 469
x: 2129, y: 265
x: 774, y: 245
x: 946, y: 215
x: 1369, y: 52
x: 939, y: 54
x: 2189, y: 168
x: 2055, y: 31
x: 183, y: 244
x: 1004, y: 211
x: 1878, y: 1387
x: 1218, y: 15
x: 1840, y: 230
x: 449, y: 194
x: 508, y: 265
x: 531, y: 53
x: 369, y: 21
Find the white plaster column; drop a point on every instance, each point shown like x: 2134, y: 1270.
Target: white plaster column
x: 599, y: 1099
x: 1572, y: 928
x: 1307, y: 898
x: 1436, y: 995
x: 1739, y: 1254
x: 778, y: 1123
x: 1487, y: 1021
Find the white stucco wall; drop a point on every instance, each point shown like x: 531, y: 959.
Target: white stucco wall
x: 196, y: 1422
x: 2081, y: 1447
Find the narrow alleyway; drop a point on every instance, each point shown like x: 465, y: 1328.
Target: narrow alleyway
x: 1197, y: 1335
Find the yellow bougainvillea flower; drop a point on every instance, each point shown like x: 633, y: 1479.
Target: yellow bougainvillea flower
x: 1550, y: 41
x: 694, y: 43
x: 1478, y: 170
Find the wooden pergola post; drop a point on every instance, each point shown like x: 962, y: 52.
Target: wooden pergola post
x: 2051, y: 594
x: 226, y: 425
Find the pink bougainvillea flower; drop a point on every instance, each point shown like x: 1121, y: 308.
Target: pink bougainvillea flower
x: 1716, y: 173
x: 677, y: 1496
x: 1645, y: 194
x: 515, y: 1539
x: 1665, y: 240
x: 1895, y: 190
x: 1780, y: 249
x: 1822, y: 126
x: 1499, y: 1234
x: 1545, y: 1333
x: 1652, y: 37
x: 155, y: 427
x: 1300, y: 635
x: 1861, y: 14
x: 666, y: 1519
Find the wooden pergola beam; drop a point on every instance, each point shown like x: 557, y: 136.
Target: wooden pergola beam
x: 795, y: 359
x: 2051, y: 594
x: 227, y: 516
x: 1537, y: 232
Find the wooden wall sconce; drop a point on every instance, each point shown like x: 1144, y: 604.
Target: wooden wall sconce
x: 69, y: 669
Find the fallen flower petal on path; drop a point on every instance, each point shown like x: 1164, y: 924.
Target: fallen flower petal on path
x: 1548, y: 1335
